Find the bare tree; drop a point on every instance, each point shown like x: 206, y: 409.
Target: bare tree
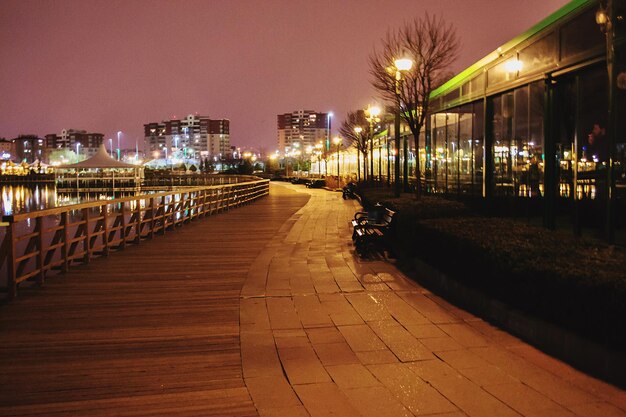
x: 348, y: 129
x: 433, y: 46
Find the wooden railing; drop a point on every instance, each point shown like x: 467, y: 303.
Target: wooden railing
x: 54, y: 239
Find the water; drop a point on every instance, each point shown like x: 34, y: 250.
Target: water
x: 18, y: 199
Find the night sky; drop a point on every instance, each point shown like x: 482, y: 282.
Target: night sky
x: 105, y: 66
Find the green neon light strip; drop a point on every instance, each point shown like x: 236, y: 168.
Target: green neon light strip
x: 466, y: 74
x: 383, y: 133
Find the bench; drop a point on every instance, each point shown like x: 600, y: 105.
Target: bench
x: 371, y: 234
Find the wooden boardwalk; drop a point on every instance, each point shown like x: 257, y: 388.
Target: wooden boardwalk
x: 265, y: 310
x: 151, y: 330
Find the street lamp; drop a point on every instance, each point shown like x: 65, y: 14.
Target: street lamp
x: 337, y: 141
x: 328, y: 119
x: 372, y: 116
x: 111, y: 146
x: 358, y: 130
x: 77, y: 151
x: 400, y: 65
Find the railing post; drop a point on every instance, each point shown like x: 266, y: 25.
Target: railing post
x: 40, y: 258
x: 152, y: 217
x: 65, y: 252
x: 138, y: 221
x: 105, y: 221
x: 87, y: 244
x: 164, y: 213
x: 11, y: 267
x: 123, y: 221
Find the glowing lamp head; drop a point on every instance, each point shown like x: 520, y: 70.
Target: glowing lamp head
x: 403, y: 64
x: 336, y: 140
x: 358, y: 129
x: 374, y: 111
x: 601, y: 17
x: 513, y: 65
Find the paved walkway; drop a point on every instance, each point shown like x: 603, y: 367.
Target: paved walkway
x: 266, y: 311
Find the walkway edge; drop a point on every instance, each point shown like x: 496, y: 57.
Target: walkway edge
x: 588, y: 356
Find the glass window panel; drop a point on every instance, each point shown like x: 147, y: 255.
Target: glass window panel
x: 565, y: 108
x: 581, y: 34
x: 503, y: 129
x: 479, y: 145
x: 439, y: 153
x: 519, y: 146
x: 592, y: 142
x: 452, y: 151
x: 451, y: 96
x: 535, y: 138
x: 501, y: 73
x: 422, y: 150
x: 465, y: 157
x: 538, y: 55
x: 465, y: 89
x: 593, y: 115
x: 477, y: 84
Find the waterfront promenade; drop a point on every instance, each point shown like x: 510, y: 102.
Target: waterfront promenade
x: 265, y: 310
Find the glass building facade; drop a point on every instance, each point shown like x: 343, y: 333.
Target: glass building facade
x: 532, y: 121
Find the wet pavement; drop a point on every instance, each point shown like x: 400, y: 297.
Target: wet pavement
x: 266, y: 310
x: 326, y: 333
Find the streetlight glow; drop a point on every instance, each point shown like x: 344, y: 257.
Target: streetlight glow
x: 513, y: 65
x: 403, y: 64
x: 374, y: 111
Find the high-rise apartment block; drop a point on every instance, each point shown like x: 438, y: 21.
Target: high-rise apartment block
x: 197, y: 136
x: 28, y: 148
x: 80, y: 141
x: 302, y: 127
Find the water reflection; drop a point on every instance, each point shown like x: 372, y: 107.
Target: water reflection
x: 18, y: 199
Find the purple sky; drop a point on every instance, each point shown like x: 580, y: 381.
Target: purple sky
x: 107, y: 65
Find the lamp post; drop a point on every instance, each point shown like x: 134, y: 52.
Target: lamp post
x: 328, y: 119
x: 337, y: 142
x: 111, y: 146
x: 402, y: 64
x: 358, y: 130
x: 372, y: 116
x: 388, y: 164
x: 380, y: 161
x: 119, y: 133
x: 318, y: 151
x: 77, y: 151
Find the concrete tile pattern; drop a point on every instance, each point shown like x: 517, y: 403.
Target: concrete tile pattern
x: 357, y: 337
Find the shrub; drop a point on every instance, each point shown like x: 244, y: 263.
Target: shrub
x: 576, y: 283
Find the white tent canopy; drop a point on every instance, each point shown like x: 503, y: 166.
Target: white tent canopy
x: 37, y: 163
x: 100, y: 160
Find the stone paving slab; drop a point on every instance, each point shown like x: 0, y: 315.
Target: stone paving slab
x: 375, y: 343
